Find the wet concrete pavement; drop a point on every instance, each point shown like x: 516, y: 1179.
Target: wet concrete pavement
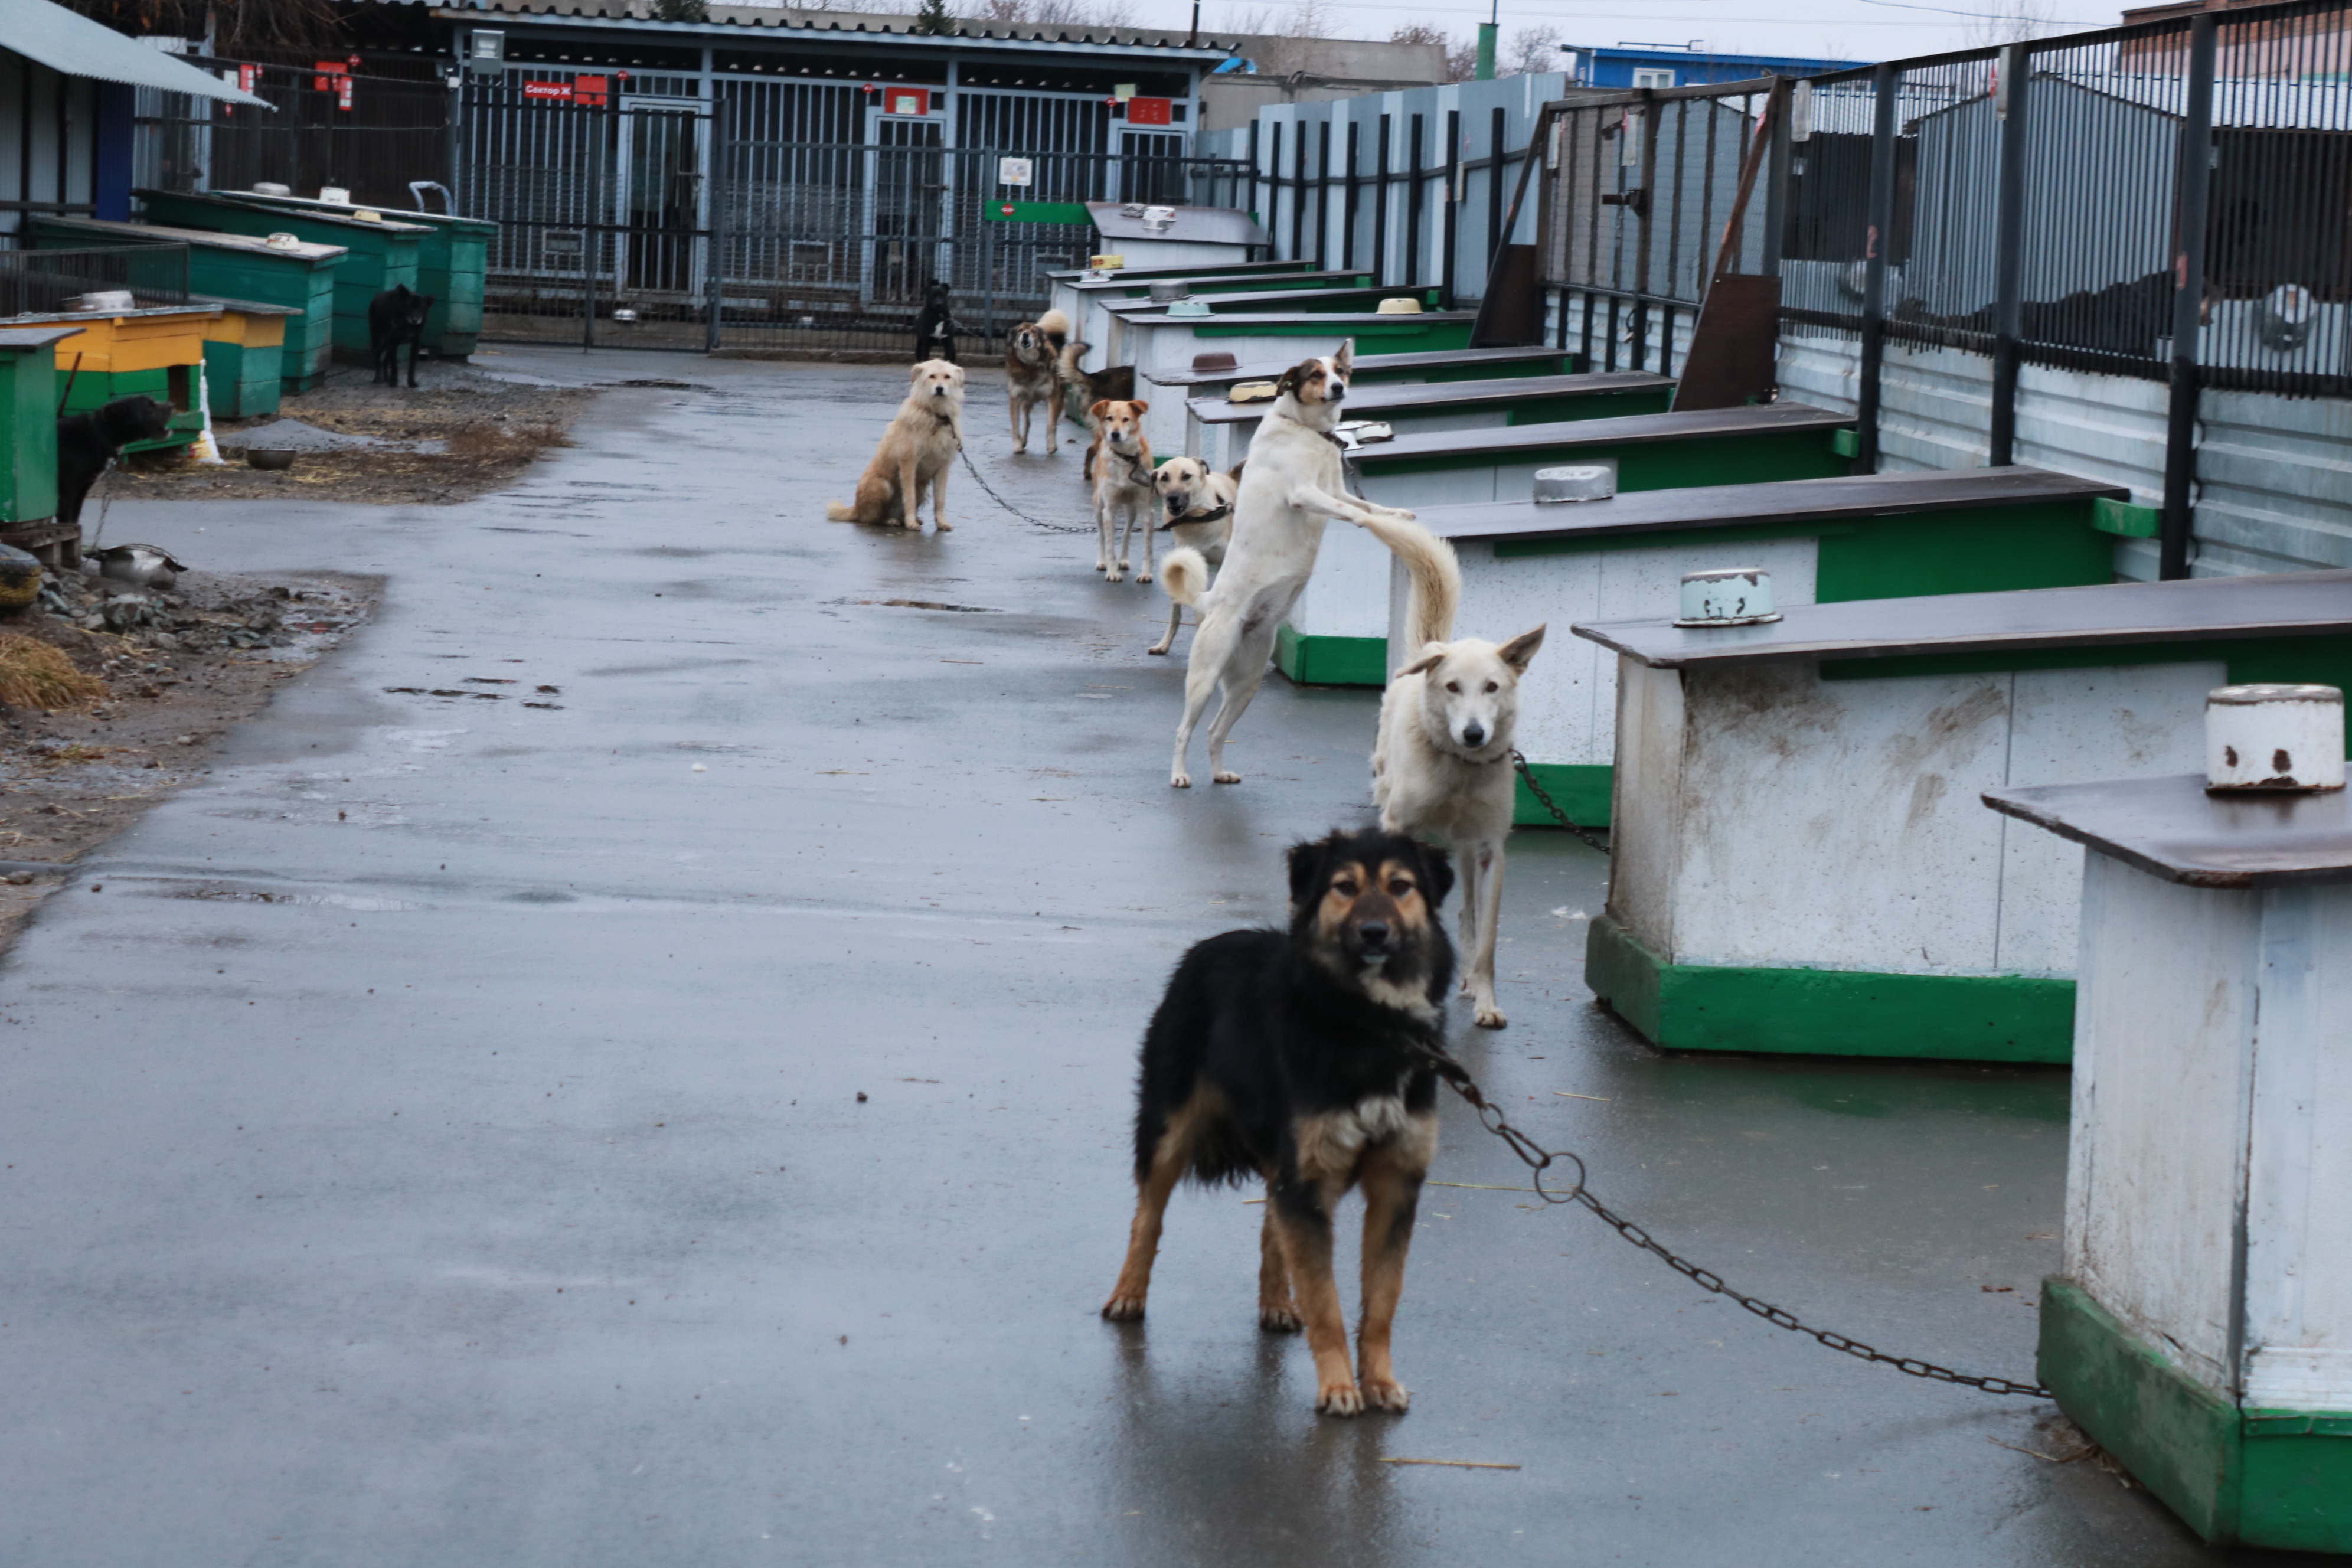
x: 438, y: 1137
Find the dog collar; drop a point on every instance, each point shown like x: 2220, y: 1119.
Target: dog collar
x: 1225, y: 510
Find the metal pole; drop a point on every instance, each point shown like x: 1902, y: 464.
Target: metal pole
x: 2195, y: 167
x: 1323, y: 200
x: 1380, y: 207
x: 1883, y: 81
x: 1452, y: 203
x: 1299, y: 197
x: 1347, y: 200
x: 1778, y: 105
x: 1413, y: 201
x: 1497, y: 130
x: 2008, y: 259
x: 714, y: 315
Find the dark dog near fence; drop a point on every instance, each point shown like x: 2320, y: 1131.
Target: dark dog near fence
x: 936, y: 328
x: 395, y: 317
x: 88, y: 443
x: 1294, y: 1057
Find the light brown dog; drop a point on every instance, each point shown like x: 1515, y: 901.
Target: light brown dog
x: 1122, y: 464
x: 1199, y: 503
x: 921, y: 442
x: 1032, y: 378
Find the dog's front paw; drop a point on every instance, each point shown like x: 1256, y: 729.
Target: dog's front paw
x: 1279, y: 1318
x: 1179, y: 780
x: 1114, y: 575
x: 1157, y: 648
x: 1486, y: 1015
x: 1143, y: 576
x: 1123, y: 1308
x: 1340, y: 1399
x: 1223, y: 776
x: 943, y: 525
x: 1380, y: 1394
x: 1400, y: 514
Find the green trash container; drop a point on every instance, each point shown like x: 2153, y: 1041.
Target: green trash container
x: 28, y: 437
x: 453, y: 263
x: 300, y: 277
x: 383, y: 254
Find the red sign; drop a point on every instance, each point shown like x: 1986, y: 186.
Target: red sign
x: 333, y: 75
x: 906, y: 101
x: 1150, y: 111
x: 548, y: 91
x: 591, y: 91
x: 246, y: 76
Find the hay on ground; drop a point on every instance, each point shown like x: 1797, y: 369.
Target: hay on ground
x: 34, y: 675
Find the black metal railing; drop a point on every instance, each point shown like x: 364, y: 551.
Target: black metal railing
x: 49, y: 282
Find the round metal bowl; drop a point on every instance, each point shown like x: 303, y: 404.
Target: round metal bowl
x: 270, y: 457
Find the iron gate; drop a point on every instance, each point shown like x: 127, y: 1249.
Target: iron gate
x: 662, y: 222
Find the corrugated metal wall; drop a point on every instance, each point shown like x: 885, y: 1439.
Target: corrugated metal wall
x: 2274, y: 474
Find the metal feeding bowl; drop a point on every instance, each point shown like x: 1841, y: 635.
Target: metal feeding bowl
x: 1169, y: 290
x: 274, y: 458
x: 1584, y: 481
x: 1396, y: 306
x: 1251, y: 392
x: 2274, y: 738
x: 1188, y: 309
x: 1730, y: 597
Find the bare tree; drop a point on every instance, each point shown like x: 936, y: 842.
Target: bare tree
x: 1531, y: 51
x: 2012, y: 22
x: 1461, y: 59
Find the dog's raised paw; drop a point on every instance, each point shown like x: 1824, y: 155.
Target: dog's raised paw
x: 1393, y: 1397
x: 1124, y: 1309
x: 1488, y: 1017
x: 1340, y: 1399
x: 1282, y: 1320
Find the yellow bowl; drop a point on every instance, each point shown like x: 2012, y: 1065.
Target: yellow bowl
x: 1251, y: 392
x: 1399, y: 306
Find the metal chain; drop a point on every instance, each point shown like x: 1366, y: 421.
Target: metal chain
x: 1032, y: 522
x: 1539, y: 1160
x: 1527, y: 774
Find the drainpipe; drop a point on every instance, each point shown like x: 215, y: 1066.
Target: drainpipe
x: 2195, y: 168
x: 1884, y: 81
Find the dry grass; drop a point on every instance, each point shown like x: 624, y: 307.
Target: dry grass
x: 515, y: 442
x: 34, y: 675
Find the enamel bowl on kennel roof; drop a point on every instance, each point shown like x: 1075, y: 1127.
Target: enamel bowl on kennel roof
x: 2271, y: 738
x: 1801, y: 864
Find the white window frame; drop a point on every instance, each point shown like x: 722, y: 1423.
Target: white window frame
x: 1653, y: 76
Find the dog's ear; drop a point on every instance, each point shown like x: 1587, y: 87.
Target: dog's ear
x: 1305, y: 869
x: 1346, y: 358
x: 1096, y: 411
x: 1140, y: 408
x: 1291, y: 377
x: 1235, y: 473
x: 1437, y: 873
x: 1521, y: 650
x: 1432, y: 656
x: 917, y: 373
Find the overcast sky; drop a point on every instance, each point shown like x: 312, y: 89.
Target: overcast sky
x: 1829, y: 30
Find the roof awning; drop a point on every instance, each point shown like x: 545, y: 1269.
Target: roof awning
x: 54, y: 37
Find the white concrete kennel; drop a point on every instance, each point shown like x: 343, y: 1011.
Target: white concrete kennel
x: 1799, y: 862
x: 1524, y: 564
x: 1085, y: 301
x: 1075, y: 292
x: 2200, y: 1329
x: 1155, y: 342
x: 1220, y: 430
x: 1383, y: 369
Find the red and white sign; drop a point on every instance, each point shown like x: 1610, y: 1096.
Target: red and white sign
x: 906, y: 101
x: 334, y: 75
x: 591, y: 91
x: 548, y: 91
x: 1150, y: 111
x: 247, y: 75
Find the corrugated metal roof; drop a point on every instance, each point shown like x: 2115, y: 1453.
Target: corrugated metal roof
x: 55, y: 38
x: 899, y: 28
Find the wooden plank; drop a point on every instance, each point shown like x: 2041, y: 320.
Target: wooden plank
x: 2171, y: 827
x: 2110, y: 615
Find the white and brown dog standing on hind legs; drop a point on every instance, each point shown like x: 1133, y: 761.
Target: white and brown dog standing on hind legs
x: 1032, y: 378
x: 1292, y: 484
x: 914, y: 454
x: 1442, y: 766
x: 1125, y: 501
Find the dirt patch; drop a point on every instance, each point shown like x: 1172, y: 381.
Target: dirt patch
x: 175, y: 670
x: 459, y: 435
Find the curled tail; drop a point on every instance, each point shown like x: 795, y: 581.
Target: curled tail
x: 840, y: 511
x: 1056, y: 328
x: 1184, y: 575
x: 1437, y: 575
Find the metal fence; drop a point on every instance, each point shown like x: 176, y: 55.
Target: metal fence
x: 373, y: 134
x: 757, y: 223
x: 46, y: 282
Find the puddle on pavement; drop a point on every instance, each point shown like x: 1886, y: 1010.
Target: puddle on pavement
x: 922, y: 605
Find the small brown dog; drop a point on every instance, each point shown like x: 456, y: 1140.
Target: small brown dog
x: 1030, y: 377
x: 1082, y: 389
x: 1120, y: 462
x: 921, y: 442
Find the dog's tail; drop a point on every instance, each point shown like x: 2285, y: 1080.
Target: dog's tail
x: 1065, y: 364
x: 1436, y: 577
x: 1184, y: 575
x: 840, y: 511
x: 1056, y: 328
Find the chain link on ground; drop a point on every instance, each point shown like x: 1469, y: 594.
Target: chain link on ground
x: 1527, y: 774
x: 1539, y: 1160
x: 973, y: 469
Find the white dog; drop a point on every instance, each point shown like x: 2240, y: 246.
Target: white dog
x: 1292, y: 484
x: 1442, y: 766
x: 1199, y: 503
x: 914, y: 454
x: 1124, y: 499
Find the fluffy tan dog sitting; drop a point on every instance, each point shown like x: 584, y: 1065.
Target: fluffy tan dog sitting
x: 922, y: 440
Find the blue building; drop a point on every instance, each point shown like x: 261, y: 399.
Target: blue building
x: 1642, y: 66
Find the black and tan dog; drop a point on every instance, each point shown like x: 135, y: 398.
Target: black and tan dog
x: 1296, y: 1056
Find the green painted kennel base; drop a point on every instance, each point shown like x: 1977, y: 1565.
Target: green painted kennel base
x: 1580, y: 789
x: 2281, y: 1479
x: 1829, y: 1011
x: 1330, y: 661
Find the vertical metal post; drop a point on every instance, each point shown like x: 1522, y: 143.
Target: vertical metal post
x: 1884, y: 81
x: 1323, y: 200
x: 1347, y: 199
x: 1776, y: 177
x: 1272, y: 223
x: 2195, y: 170
x: 2009, y: 254
x: 1413, y: 201
x: 988, y: 266
x: 1453, y: 204
x: 1642, y: 228
x: 714, y: 314
x: 1380, y: 207
x: 1253, y: 207
x: 1498, y: 128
